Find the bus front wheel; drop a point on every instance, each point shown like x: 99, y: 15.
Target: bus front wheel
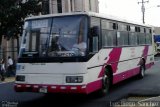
x: 106, y: 81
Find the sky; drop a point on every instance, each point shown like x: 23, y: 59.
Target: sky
x: 131, y: 10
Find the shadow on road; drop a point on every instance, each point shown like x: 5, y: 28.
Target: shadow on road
x: 60, y: 100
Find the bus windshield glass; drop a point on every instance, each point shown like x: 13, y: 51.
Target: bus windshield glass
x: 55, y: 37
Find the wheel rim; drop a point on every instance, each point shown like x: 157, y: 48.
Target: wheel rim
x: 104, y: 80
x: 105, y: 83
x: 142, y: 71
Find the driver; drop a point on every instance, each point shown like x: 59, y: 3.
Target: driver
x: 80, y: 46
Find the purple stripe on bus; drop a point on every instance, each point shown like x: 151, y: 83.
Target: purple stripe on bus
x: 114, y: 57
x: 144, y: 54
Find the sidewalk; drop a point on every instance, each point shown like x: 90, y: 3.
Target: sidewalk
x: 151, y: 99
x: 8, y: 79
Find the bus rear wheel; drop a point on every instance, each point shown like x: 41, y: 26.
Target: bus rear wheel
x: 106, y: 83
x: 142, y: 71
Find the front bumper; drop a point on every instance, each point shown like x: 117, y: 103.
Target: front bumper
x: 82, y: 89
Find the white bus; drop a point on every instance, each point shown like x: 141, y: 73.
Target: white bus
x: 81, y: 52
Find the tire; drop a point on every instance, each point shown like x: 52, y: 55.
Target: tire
x: 142, y: 71
x: 106, y: 83
x: 0, y: 77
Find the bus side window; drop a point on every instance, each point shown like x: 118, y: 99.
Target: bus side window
x: 95, y: 34
x: 95, y: 44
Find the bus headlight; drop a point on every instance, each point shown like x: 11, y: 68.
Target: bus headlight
x: 74, y: 79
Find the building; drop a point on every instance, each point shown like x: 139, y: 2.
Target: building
x: 9, y: 48
x: 63, y: 6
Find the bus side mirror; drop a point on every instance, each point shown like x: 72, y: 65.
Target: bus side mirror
x: 94, y: 31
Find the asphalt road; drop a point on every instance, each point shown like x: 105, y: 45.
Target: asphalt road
x: 148, y: 86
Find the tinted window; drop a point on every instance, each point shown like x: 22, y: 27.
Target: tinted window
x: 141, y: 38
x: 122, y: 38
x: 133, y: 38
x: 108, y: 38
x: 148, y: 39
x: 95, y: 22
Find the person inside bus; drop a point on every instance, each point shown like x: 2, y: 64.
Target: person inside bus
x: 80, y: 46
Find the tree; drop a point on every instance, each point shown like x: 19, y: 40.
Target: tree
x: 13, y: 13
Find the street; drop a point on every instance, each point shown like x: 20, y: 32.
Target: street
x: 148, y: 86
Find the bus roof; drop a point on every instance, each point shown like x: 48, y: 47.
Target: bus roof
x: 105, y: 16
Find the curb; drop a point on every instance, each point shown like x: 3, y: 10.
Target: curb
x: 7, y: 80
x: 151, y: 99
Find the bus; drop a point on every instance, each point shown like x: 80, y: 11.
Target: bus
x: 157, y: 44
x: 113, y: 50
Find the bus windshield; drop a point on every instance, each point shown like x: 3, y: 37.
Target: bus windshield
x: 58, y: 36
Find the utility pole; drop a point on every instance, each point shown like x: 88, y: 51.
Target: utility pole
x: 143, y: 10
x: 50, y: 6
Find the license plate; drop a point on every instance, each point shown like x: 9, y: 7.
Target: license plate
x: 43, y: 90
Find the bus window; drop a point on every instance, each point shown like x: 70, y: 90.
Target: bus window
x: 133, y: 40
x: 95, y: 44
x: 108, y: 34
x: 55, y: 36
x: 95, y: 23
x: 122, y: 35
x: 33, y: 33
x: 108, y: 37
x: 148, y: 39
x: 69, y: 36
x: 141, y: 38
x: 122, y: 38
x: 148, y: 36
x: 105, y: 24
x: 34, y: 41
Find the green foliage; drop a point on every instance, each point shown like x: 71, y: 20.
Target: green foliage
x: 13, y: 13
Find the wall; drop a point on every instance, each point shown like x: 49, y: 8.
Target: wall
x: 75, y: 5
